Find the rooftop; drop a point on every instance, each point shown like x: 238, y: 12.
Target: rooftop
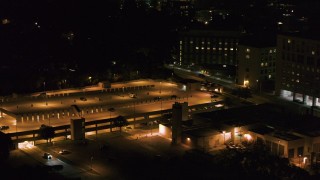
x: 261, y: 40
x: 286, y: 136
x: 203, y: 132
x: 262, y: 130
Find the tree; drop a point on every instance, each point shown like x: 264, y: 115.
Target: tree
x: 46, y: 132
x: 5, y: 145
x: 120, y: 121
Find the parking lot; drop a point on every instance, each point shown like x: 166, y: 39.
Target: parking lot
x: 125, y: 155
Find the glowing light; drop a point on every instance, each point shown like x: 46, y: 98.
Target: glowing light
x: 246, y: 83
x: 162, y: 129
x: 248, y: 137
x: 25, y: 145
x: 188, y: 139
x: 305, y: 160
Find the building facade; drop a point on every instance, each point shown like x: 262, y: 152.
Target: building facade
x: 202, y: 47
x: 256, y: 65
x: 298, y: 69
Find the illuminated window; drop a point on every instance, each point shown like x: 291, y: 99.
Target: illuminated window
x: 231, y: 49
x: 197, y: 47
x: 180, y: 42
x: 202, y: 42
x: 289, y: 41
x: 247, y: 50
x: 262, y: 64
x: 202, y: 47
x: 247, y: 56
x: 270, y: 51
x: 214, y: 49
x: 269, y: 76
x: 191, y: 42
x: 313, y: 53
x: 225, y: 49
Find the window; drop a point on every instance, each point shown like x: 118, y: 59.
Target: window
x: 291, y: 153
x: 289, y: 41
x: 247, y: 56
x: 247, y: 50
x: 300, y: 151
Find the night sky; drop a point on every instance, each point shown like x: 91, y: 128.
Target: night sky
x: 62, y: 43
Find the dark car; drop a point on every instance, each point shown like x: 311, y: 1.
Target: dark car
x: 214, y: 96
x: 174, y: 97
x: 4, y: 127
x: 83, y: 99
x: 47, y: 156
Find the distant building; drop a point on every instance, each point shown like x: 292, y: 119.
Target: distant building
x: 250, y: 124
x: 203, y: 47
x: 182, y: 8
x: 298, y: 68
x: 256, y: 63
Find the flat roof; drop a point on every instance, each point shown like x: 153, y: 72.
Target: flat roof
x: 202, y: 132
x: 286, y: 136
x: 262, y: 130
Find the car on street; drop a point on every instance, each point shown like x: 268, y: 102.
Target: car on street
x: 83, y: 99
x: 47, y: 155
x: 63, y: 151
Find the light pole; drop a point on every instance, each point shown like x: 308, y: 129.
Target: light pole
x: 300, y: 160
x: 91, y: 159
x: 45, y: 93
x: 134, y: 114
x: 160, y: 87
x: 278, y: 147
x: 224, y: 137
x: 111, y: 110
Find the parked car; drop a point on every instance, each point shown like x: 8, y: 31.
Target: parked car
x: 63, y: 151
x: 132, y: 95
x: 47, y: 155
x: 4, y: 127
x: 83, y: 99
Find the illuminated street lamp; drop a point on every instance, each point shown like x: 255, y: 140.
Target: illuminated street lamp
x: 299, y: 160
x: 91, y: 159
x: 278, y: 147
x: 111, y: 110
x: 224, y: 137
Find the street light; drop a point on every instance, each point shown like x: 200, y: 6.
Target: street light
x: 160, y: 86
x: 224, y: 137
x: 278, y: 147
x: 91, y: 159
x: 44, y: 88
x: 299, y: 160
